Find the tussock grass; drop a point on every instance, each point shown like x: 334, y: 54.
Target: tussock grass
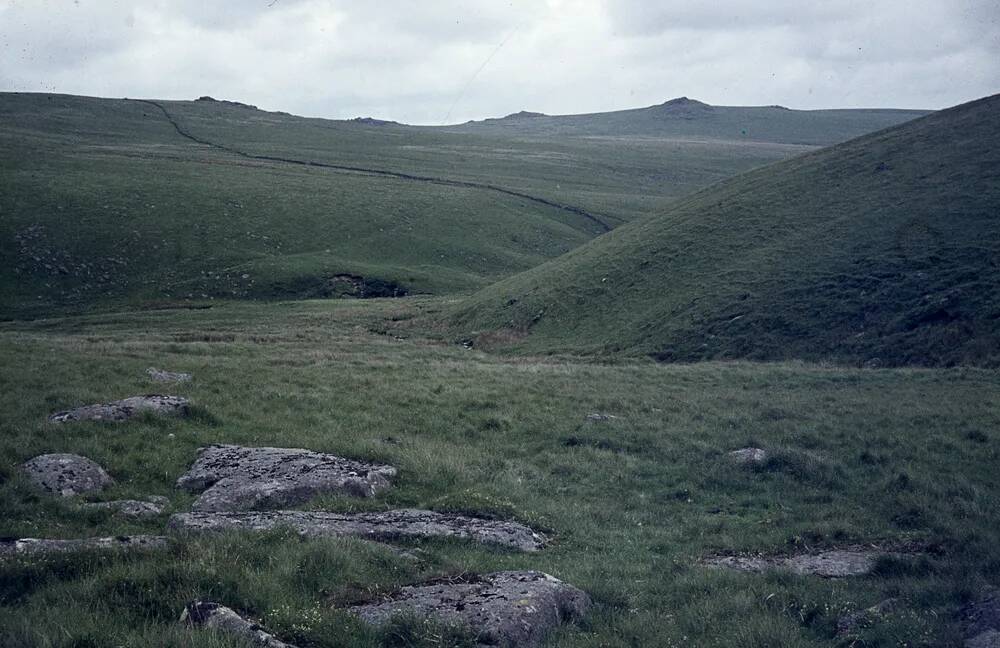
x: 857, y: 457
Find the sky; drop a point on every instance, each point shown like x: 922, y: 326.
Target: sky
x: 448, y: 61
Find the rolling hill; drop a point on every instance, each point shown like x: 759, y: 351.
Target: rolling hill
x: 105, y: 202
x: 883, y: 250
x: 684, y: 117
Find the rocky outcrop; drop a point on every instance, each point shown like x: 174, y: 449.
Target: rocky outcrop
x: 836, y: 563
x: 29, y: 546
x: 203, y: 614
x: 154, y: 505
x: 405, y: 524
x: 235, y: 478
x: 66, y: 474
x: 508, y: 609
x: 159, y: 375
x: 123, y: 410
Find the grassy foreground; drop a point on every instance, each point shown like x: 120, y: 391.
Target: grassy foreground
x: 886, y: 456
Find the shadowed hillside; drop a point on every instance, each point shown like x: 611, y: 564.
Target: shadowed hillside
x: 882, y: 250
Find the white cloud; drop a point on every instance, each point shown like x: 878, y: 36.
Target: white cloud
x: 419, y: 62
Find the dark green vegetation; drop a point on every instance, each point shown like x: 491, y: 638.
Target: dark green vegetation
x: 107, y: 202
x: 683, y: 117
x: 897, y: 455
x: 883, y: 250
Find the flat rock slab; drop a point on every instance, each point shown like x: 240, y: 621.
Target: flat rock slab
x: 159, y: 375
x: 235, y: 478
x: 507, y: 609
x: 827, y: 564
x: 133, y: 508
x: 66, y: 474
x: 33, y: 546
x: 748, y: 455
x: 382, y: 526
x: 123, y: 410
x: 981, y: 621
x: 203, y: 614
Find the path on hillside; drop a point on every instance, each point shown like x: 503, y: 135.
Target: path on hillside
x: 605, y: 227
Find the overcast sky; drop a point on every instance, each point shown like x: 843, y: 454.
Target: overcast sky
x: 431, y: 61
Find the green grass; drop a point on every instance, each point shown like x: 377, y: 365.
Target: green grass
x: 895, y: 455
x: 103, y: 203
x: 883, y: 250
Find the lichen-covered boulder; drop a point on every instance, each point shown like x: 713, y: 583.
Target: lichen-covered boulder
x: 410, y: 524
x: 204, y: 614
x: 151, y: 506
x: 66, y: 474
x: 235, y: 478
x: 30, y: 546
x: 123, y: 410
x: 507, y: 609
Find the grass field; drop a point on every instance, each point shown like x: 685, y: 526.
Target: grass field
x: 859, y: 456
x: 881, y: 250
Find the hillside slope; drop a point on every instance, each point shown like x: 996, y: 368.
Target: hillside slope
x: 109, y: 201
x: 882, y: 250
x: 683, y: 117
x: 105, y: 202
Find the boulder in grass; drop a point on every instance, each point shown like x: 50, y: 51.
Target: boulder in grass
x: 125, y: 409
x: 204, y: 614
x: 403, y: 524
x: 66, y: 474
x: 162, y: 376
x: 834, y: 563
x: 151, y: 506
x: 235, y: 478
x: 748, y: 456
x: 505, y: 609
x: 981, y: 621
x: 10, y: 547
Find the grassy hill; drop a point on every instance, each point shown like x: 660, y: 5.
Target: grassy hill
x: 105, y: 202
x: 882, y: 250
x: 683, y: 117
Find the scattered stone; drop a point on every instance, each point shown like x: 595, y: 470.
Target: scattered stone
x: 154, y: 505
x: 748, y: 456
x: 383, y: 526
x: 600, y: 416
x: 507, y: 609
x: 203, y: 614
x: 123, y: 410
x: 159, y: 375
x: 66, y: 474
x: 981, y: 621
x: 851, y: 623
x: 235, y: 478
x: 31, y: 546
x: 836, y: 563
